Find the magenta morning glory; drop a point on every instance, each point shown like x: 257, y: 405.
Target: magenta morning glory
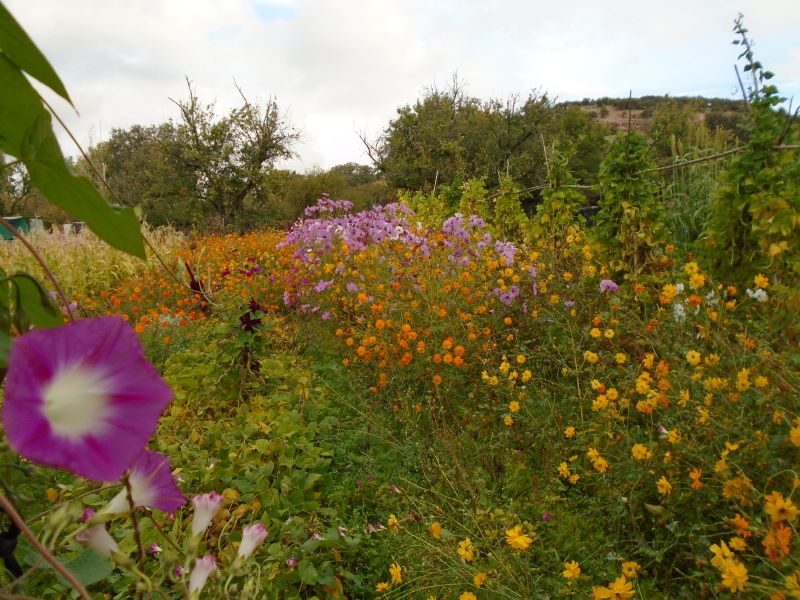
x: 152, y: 485
x: 82, y: 397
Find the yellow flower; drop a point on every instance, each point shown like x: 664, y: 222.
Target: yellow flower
x: 693, y: 358
x: 397, y: 573
x: 479, y: 579
x: 620, y: 358
x: 738, y: 544
x: 382, y: 587
x: 435, y: 530
x: 734, y: 576
x: 570, y: 432
x: 779, y: 508
x: 518, y: 540
x: 526, y: 376
x: 600, y: 464
x: 630, y: 569
x: 563, y: 470
x: 664, y: 486
x: 641, y: 452
x: 393, y: 524
x: 520, y: 359
x: 572, y: 570
x: 695, y: 475
x: 465, y: 550
x: 761, y: 281
x: 794, y: 434
x: 697, y: 280
x: 591, y: 357
x: 619, y: 589
x: 508, y: 420
x: 595, y: 332
x: 722, y: 554
x: 467, y: 596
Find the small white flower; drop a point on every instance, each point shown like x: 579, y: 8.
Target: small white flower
x: 679, y: 312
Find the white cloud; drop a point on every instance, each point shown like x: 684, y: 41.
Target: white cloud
x: 339, y: 67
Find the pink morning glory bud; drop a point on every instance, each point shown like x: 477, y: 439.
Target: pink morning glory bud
x: 153, y: 549
x: 96, y: 537
x: 203, y: 567
x: 206, y: 507
x: 151, y: 484
x: 82, y: 397
x: 252, y: 537
x: 291, y: 562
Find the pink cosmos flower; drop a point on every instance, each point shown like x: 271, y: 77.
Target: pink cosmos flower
x: 206, y: 507
x: 82, y: 397
x: 203, y: 567
x: 152, y: 485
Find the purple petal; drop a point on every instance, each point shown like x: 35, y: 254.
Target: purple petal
x: 95, y: 435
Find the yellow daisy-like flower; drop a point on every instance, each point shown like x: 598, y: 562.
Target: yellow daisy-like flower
x: 641, y: 452
x: 396, y: 572
x: 513, y: 406
x: 518, y: 540
x: 734, y: 576
x: 619, y: 589
x: 393, y: 524
x: 465, y: 550
x: 467, y: 596
x: 591, y: 357
x: 572, y: 570
x: 664, y: 486
x: 620, y: 358
x: 382, y: 586
x: 630, y: 569
x: 693, y: 358
x: 760, y: 281
x: 595, y: 332
x: 435, y: 530
x: 508, y: 420
x: 479, y: 579
x: 779, y: 508
x: 570, y: 432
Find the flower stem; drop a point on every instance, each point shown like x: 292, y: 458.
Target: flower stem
x: 45, y: 553
x: 136, y: 533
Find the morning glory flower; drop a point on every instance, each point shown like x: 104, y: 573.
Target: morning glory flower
x: 82, y: 397
x: 203, y: 567
x: 206, y: 506
x: 152, y: 485
x: 252, y: 537
x: 96, y: 537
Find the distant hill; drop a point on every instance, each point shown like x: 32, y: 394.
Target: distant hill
x: 616, y: 112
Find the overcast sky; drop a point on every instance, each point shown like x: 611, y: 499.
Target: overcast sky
x: 342, y: 66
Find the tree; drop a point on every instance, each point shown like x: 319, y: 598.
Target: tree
x: 229, y: 156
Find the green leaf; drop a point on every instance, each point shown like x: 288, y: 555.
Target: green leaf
x: 26, y: 133
x: 21, y: 50
x: 88, y: 567
x: 33, y: 304
x: 307, y: 571
x: 5, y: 348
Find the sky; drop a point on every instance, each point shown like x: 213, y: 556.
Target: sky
x: 344, y: 67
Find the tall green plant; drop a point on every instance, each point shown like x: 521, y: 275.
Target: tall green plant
x: 630, y: 222
x: 755, y: 213
x: 556, y: 214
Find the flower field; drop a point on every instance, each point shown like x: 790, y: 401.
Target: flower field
x: 416, y: 408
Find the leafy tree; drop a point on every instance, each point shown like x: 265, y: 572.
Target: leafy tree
x: 228, y: 156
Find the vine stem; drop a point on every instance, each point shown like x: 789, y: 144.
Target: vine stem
x: 136, y: 533
x: 41, y: 261
x: 44, y: 552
